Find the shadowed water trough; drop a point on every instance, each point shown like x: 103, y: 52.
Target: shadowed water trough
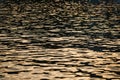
x: 59, y: 41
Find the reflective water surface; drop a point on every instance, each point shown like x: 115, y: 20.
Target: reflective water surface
x: 59, y: 41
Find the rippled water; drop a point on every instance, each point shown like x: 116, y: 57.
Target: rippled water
x: 59, y: 42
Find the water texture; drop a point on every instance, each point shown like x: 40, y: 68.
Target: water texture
x: 61, y: 41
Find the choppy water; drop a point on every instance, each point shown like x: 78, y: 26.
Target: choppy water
x: 59, y: 42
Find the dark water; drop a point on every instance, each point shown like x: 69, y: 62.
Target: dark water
x: 59, y: 42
